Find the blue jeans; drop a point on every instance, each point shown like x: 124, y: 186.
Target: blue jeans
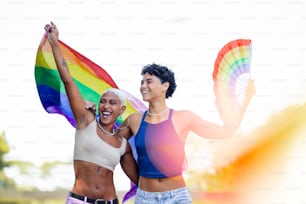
x: 177, y: 196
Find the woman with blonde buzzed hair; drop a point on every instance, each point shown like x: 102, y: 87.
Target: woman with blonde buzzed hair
x: 98, y: 147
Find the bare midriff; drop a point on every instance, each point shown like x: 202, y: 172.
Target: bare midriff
x: 161, y: 184
x: 93, y: 181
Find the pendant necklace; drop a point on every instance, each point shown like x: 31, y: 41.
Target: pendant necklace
x: 105, y: 131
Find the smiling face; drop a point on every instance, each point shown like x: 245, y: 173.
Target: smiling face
x: 152, y: 89
x: 110, y: 108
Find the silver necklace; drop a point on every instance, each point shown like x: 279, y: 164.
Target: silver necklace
x: 105, y: 131
x: 158, y: 114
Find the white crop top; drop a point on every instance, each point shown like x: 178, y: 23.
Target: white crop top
x: 90, y: 147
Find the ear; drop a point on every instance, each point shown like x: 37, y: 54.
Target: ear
x: 166, y: 86
x: 122, y: 109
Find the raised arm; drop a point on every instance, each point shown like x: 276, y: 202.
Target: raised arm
x: 74, y: 96
x: 188, y: 121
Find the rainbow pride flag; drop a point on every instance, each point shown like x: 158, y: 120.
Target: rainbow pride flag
x: 90, y: 78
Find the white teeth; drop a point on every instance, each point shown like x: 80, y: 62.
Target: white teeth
x: 106, y: 113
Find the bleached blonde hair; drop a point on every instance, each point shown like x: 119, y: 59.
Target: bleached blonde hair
x: 117, y: 92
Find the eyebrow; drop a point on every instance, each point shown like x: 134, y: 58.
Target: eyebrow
x: 147, y: 79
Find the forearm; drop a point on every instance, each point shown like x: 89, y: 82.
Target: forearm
x: 250, y: 92
x: 242, y: 112
x: 129, y: 166
x: 205, y: 128
x: 74, y: 96
x: 60, y: 62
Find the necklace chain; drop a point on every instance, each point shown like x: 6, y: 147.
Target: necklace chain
x: 105, y: 131
x: 158, y: 114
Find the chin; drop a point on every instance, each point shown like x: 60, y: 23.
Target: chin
x: 145, y: 99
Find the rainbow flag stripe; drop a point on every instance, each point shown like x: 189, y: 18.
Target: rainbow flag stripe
x: 90, y: 78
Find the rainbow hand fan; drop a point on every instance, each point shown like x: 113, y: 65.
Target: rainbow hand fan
x: 231, y: 76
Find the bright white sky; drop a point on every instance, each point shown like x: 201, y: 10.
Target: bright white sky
x: 122, y: 36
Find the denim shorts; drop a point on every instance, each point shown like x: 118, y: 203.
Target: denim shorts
x: 177, y: 196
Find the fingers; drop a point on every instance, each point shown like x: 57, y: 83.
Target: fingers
x: 53, y: 26
x: 251, y: 81
x: 89, y: 105
x: 50, y: 27
x: 47, y: 28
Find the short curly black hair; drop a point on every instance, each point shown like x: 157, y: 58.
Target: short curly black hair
x: 163, y: 73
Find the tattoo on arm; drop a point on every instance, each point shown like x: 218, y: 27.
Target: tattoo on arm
x: 64, y: 63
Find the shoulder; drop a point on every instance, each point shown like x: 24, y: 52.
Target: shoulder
x: 136, y: 115
x: 183, y: 113
x: 131, y: 120
x: 135, y: 121
x: 135, y: 118
x: 183, y: 118
x: 130, y: 125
